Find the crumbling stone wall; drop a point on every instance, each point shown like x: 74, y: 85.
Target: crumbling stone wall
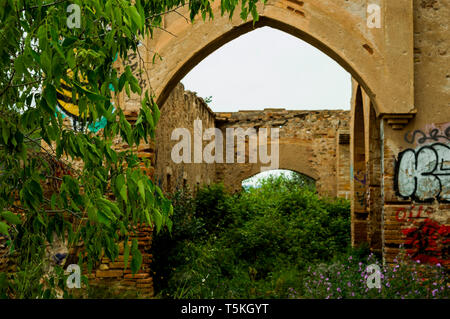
x: 180, y: 111
x: 307, y: 144
x: 314, y: 143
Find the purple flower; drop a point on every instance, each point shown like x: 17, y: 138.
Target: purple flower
x: 338, y: 289
x: 349, y: 284
x: 353, y: 294
x: 434, y: 292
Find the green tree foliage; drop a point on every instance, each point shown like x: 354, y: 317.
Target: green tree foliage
x: 255, y: 243
x: 100, y: 203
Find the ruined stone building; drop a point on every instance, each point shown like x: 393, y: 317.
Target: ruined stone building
x: 390, y: 155
x: 396, y: 136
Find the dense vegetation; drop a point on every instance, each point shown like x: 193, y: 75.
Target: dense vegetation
x: 277, y: 240
x: 53, y: 48
x: 251, y: 244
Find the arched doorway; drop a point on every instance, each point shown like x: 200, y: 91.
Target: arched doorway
x: 384, y: 71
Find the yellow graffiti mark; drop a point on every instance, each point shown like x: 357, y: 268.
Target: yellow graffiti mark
x: 65, y: 100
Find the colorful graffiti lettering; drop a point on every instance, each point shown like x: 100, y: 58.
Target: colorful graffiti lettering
x: 405, y: 215
x: 424, y: 174
x: 69, y: 108
x: 428, y: 242
x: 361, y: 177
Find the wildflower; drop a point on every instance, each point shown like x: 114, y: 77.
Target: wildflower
x: 438, y: 264
x: 349, y: 284
x: 353, y: 294
x: 326, y: 279
x: 338, y: 273
x: 388, y: 284
x: 434, y: 292
x: 338, y: 289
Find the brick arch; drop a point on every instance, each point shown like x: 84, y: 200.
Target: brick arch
x: 283, y: 168
x: 337, y: 28
x: 293, y: 157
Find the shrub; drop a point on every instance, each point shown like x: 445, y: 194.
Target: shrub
x: 252, y: 244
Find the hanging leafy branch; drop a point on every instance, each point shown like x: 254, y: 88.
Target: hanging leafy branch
x: 99, y: 201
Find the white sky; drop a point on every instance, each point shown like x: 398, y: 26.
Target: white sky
x: 253, y: 181
x: 268, y: 68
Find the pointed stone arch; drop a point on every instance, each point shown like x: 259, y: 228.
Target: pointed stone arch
x: 381, y: 60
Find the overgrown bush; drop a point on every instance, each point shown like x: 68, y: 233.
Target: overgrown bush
x: 252, y: 244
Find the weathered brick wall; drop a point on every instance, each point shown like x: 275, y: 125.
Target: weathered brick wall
x: 416, y: 159
x: 180, y: 111
x: 307, y: 144
x: 114, y: 275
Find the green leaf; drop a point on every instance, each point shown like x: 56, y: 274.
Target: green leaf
x: 136, y: 260
x: 5, y: 133
x: 158, y: 219
x: 11, y: 218
x: 50, y: 95
x: 126, y: 252
x: 122, y: 187
x: 4, y: 229
x: 141, y: 188
x: 135, y: 17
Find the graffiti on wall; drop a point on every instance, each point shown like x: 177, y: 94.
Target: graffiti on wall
x: 423, y: 174
x: 428, y: 242
x: 436, y: 133
x: 404, y: 215
x: 361, y: 177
